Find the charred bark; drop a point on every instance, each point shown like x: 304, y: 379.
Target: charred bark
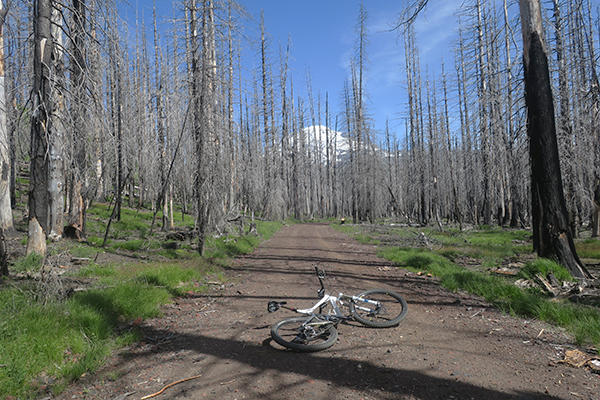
x: 552, y: 236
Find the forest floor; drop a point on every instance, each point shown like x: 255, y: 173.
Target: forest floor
x: 449, y: 346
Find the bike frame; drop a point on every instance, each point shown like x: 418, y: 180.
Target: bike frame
x: 335, y: 301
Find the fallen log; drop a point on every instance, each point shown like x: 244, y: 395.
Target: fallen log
x: 582, y: 291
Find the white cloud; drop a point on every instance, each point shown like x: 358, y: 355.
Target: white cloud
x: 436, y: 27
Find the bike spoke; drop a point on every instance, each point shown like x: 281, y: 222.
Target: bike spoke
x: 298, y: 335
x: 379, y: 308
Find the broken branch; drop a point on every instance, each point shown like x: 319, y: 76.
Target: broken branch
x: 169, y: 385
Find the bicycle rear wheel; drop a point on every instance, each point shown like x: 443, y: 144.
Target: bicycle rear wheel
x: 379, y: 308
x: 304, y: 335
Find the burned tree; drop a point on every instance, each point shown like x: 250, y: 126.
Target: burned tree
x: 46, y: 179
x: 552, y: 237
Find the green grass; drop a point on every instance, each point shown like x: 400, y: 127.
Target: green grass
x: 226, y: 247
x: 489, y: 248
x: 366, y: 239
x: 490, y: 245
x: 583, y: 322
x: 543, y: 267
x: 30, y: 263
x: 222, y: 248
x: 98, y: 271
x: 58, y: 341
x: 133, y: 222
x: 497, y: 237
x: 132, y: 234
x: 345, y: 228
x: 65, y: 339
x: 83, y: 251
x: 589, y: 248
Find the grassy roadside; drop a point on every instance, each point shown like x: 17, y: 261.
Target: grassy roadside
x: 443, y: 254
x: 51, y: 335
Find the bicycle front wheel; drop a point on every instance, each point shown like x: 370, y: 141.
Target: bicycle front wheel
x: 304, y: 335
x: 379, y: 308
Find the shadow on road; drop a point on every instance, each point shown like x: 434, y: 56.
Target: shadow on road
x: 340, y: 372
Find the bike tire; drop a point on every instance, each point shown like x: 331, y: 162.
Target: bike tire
x: 292, y: 333
x: 389, y: 313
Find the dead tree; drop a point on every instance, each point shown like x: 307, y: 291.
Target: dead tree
x: 6, y: 217
x: 552, y: 237
x: 45, y: 186
x: 74, y: 228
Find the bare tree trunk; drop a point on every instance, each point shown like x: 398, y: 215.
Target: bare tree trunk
x: 3, y: 255
x: 80, y: 116
x: 432, y: 127
x: 456, y: 205
x: 56, y: 173
x: 552, y: 237
x: 196, y: 79
x: 119, y: 136
x: 116, y: 109
x: 564, y: 128
x: 267, y: 131
x: 412, y: 71
x: 96, y: 141
x: 160, y: 124
x: 41, y: 201
x: 596, y: 209
x: 6, y: 217
x: 484, y: 128
x: 204, y: 121
x: 467, y: 142
x: 231, y: 173
x: 595, y: 134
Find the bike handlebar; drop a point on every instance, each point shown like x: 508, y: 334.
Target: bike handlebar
x: 321, y: 276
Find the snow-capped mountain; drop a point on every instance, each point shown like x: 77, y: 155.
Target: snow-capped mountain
x: 317, y: 137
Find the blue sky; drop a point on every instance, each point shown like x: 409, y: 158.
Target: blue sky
x: 323, y: 35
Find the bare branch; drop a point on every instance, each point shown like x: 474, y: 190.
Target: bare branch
x: 410, y: 13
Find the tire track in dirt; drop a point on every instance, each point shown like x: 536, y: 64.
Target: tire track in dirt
x: 450, y: 346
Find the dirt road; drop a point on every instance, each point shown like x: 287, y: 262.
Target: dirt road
x: 450, y: 345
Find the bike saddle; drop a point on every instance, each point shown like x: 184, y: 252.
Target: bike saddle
x: 273, y: 305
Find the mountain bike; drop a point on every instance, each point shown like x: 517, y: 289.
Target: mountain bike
x: 316, y: 331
